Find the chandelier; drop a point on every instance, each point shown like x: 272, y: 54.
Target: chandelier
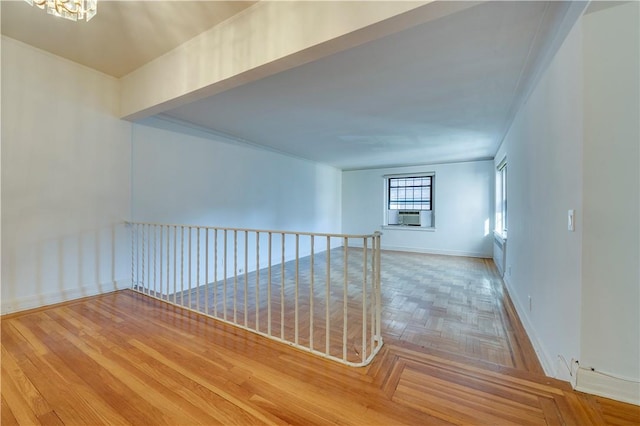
x: 68, y: 9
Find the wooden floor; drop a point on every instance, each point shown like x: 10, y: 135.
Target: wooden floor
x: 124, y: 358
x: 455, y: 304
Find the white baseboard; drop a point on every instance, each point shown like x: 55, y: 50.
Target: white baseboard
x: 607, y: 386
x: 566, y: 372
x: 547, y: 361
x: 44, y: 299
x: 442, y: 252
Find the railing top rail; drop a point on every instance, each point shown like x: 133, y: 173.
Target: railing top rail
x: 314, y: 234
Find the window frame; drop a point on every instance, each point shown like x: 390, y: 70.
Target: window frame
x: 405, y: 199
x: 387, y: 196
x: 502, y: 211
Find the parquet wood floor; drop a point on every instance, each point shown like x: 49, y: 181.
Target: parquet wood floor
x: 235, y: 300
x: 124, y: 358
x: 455, y: 304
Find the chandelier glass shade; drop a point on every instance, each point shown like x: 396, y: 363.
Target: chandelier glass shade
x: 68, y: 9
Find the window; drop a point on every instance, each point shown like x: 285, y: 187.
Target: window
x: 409, y: 200
x: 410, y: 193
x: 501, y: 198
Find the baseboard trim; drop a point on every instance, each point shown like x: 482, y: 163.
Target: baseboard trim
x: 596, y: 383
x: 547, y: 362
x: 441, y: 252
x: 44, y: 299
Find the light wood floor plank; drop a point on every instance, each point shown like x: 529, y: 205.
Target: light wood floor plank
x: 124, y: 358
x: 53, y: 381
x: 19, y: 407
x: 6, y: 415
x: 14, y: 374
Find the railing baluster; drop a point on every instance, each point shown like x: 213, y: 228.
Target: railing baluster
x: 148, y: 259
x: 189, y: 269
x: 215, y: 272
x: 182, y: 266
x: 344, y: 299
x: 296, y: 290
x: 143, y: 281
x: 235, y: 275
x: 155, y: 238
x: 148, y: 253
x: 378, y: 285
x: 224, y: 282
x: 269, y: 289
x: 364, y: 299
x: 206, y: 271
x: 175, y: 256
x: 258, y: 281
x: 140, y: 258
x: 198, y: 269
x: 246, y: 276
x: 311, y: 293
x: 373, y: 291
x: 327, y: 299
x: 161, y: 260
x: 282, y: 289
x: 133, y: 256
x: 168, y: 260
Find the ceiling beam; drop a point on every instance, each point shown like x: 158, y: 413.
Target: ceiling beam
x: 267, y: 38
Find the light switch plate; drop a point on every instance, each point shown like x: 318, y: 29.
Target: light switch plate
x: 571, y: 220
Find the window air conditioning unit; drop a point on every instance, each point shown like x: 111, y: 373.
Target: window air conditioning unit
x: 409, y: 217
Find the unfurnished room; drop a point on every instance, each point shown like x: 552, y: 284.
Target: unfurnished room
x: 320, y: 212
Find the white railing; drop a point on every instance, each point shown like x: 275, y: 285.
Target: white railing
x: 316, y: 292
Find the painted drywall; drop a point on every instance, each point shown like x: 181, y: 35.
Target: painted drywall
x: 262, y: 40
x: 65, y: 180
x: 574, y: 145
x: 543, y: 148
x: 185, y: 176
x: 463, y: 209
x: 610, y: 338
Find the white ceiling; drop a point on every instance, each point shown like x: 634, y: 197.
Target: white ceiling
x: 443, y: 91
x: 123, y: 36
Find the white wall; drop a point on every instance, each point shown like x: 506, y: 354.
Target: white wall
x: 574, y: 145
x: 611, y: 228
x: 463, y: 209
x: 186, y: 176
x: 65, y: 180
x: 181, y: 175
x: 544, y: 157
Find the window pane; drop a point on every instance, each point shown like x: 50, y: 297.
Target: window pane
x: 410, y: 193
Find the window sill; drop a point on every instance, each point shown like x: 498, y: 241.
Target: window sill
x: 408, y: 228
x: 500, y: 237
